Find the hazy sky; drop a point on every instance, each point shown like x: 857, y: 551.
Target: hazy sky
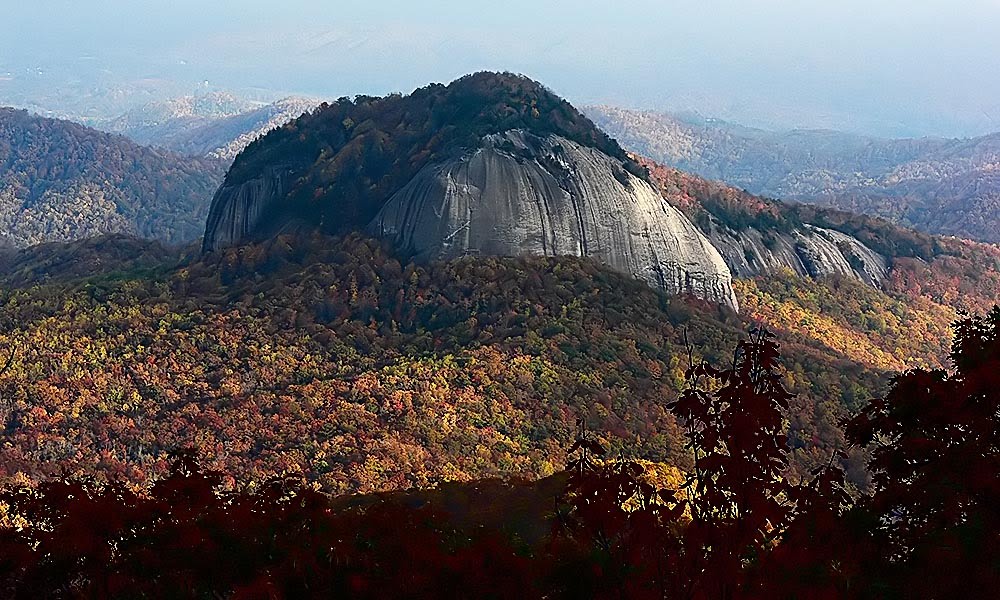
x: 888, y: 67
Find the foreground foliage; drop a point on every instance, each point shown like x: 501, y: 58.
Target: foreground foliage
x: 735, y: 528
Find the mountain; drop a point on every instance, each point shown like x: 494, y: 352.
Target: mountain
x: 308, y: 340
x: 328, y: 328
x: 829, y: 275
x: 63, y: 181
x: 491, y: 165
x: 944, y: 186
x: 217, y: 125
x: 156, y: 123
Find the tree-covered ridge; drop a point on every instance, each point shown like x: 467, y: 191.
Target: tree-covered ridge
x: 83, y: 260
x: 732, y: 526
x: 61, y: 181
x: 334, y: 359
x: 345, y: 159
x: 940, y: 186
x: 941, y: 276
x: 891, y: 332
x: 704, y: 200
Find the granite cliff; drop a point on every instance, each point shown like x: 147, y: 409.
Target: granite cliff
x: 809, y: 251
x: 521, y: 194
x: 758, y: 236
x: 496, y: 165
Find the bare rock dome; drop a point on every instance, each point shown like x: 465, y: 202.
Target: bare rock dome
x: 523, y: 194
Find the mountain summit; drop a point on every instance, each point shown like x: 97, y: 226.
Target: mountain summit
x: 347, y: 158
x: 492, y: 164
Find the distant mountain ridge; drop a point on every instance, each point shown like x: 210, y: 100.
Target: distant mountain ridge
x: 61, y: 181
x: 217, y: 125
x: 945, y: 186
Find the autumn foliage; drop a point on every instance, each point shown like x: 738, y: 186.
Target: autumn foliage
x: 334, y: 359
x: 62, y: 181
x: 929, y: 530
x: 733, y: 528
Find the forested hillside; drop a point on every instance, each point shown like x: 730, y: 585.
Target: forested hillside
x: 737, y: 523
x: 61, y: 181
x: 899, y: 324
x: 215, y: 126
x: 336, y: 360
x: 942, y: 186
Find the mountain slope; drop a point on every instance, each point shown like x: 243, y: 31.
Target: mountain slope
x: 63, y: 181
x: 333, y: 358
x: 491, y: 164
x: 938, y: 185
x: 217, y: 126
x: 859, y: 285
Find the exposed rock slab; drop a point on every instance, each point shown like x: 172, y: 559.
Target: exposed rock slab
x: 809, y: 252
x: 237, y: 210
x: 521, y: 194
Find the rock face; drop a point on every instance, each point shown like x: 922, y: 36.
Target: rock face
x: 237, y: 210
x: 809, y: 252
x: 521, y: 194
x: 758, y: 236
x: 496, y: 165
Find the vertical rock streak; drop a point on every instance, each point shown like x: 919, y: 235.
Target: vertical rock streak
x: 549, y: 197
x: 520, y: 194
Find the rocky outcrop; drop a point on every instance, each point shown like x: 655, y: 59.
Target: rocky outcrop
x: 237, y: 210
x: 521, y: 194
x: 810, y: 252
x: 496, y: 165
x: 827, y: 251
x: 759, y: 236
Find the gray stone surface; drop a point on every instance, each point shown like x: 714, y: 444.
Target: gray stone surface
x: 524, y: 195
x: 520, y: 194
x: 237, y: 210
x: 809, y: 252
